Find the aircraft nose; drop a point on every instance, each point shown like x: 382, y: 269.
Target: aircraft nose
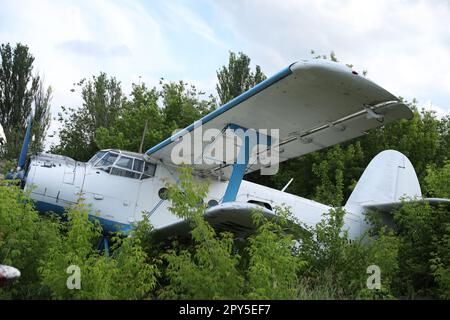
x: 18, y: 175
x: 9, y: 176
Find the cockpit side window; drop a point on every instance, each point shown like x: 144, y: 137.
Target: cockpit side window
x: 125, y: 162
x: 138, y: 165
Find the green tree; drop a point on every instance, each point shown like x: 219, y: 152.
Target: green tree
x: 424, y: 233
x: 42, y: 117
x: 109, y: 120
x: 21, y: 93
x: 183, y: 105
x: 142, y: 108
x: 236, y: 78
x: 102, y: 102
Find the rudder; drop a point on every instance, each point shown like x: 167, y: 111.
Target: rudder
x: 388, y: 177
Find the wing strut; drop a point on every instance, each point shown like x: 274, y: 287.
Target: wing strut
x: 243, y: 157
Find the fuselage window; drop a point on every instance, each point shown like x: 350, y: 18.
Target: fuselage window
x: 125, y: 162
x: 125, y: 173
x: 149, y: 170
x: 163, y: 193
x: 138, y: 165
x: 212, y: 203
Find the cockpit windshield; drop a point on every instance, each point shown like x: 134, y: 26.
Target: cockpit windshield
x: 107, y: 160
x: 122, y: 165
x: 96, y: 157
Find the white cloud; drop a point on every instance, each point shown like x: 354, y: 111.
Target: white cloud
x: 438, y: 111
x: 182, y: 17
x: 72, y: 40
x: 405, y: 45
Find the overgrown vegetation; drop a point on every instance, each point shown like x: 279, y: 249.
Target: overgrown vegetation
x: 277, y: 262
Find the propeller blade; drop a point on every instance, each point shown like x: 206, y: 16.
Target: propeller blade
x: 26, y: 141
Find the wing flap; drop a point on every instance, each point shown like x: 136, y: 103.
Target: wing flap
x: 340, y: 131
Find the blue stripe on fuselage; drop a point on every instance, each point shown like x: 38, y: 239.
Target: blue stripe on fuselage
x: 107, y: 225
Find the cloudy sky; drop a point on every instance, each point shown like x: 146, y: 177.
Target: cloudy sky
x: 404, y: 45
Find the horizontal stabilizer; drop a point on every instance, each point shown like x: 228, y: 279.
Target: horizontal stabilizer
x: 391, y: 206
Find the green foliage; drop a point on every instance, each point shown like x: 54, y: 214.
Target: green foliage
x: 21, y: 92
x: 423, y: 232
x: 42, y: 248
x: 102, y: 101
x: 422, y: 139
x: 273, y: 267
x: 41, y: 118
x: 341, y: 264
x: 237, y: 77
x: 25, y: 239
x: 438, y: 185
x: 130, y: 123
x: 208, y: 270
x: 124, y: 275
x: 336, y: 172
x: 437, y: 181
x: 183, y: 104
x: 440, y: 263
x: 279, y: 261
x: 8, y: 165
x: 108, y: 119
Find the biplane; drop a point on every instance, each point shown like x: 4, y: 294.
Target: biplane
x: 308, y: 106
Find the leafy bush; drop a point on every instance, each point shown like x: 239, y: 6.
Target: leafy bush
x: 283, y: 259
x: 207, y: 270
x: 424, y: 233
x: 123, y: 275
x: 25, y: 239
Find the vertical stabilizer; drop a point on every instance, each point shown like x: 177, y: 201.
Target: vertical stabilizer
x: 388, y: 177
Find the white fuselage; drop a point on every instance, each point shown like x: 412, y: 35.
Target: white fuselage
x: 56, y: 182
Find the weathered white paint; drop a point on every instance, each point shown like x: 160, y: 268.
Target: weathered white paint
x: 62, y: 181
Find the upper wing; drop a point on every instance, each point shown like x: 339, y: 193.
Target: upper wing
x: 313, y: 104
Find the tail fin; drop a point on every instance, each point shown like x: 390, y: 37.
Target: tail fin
x: 388, y: 177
